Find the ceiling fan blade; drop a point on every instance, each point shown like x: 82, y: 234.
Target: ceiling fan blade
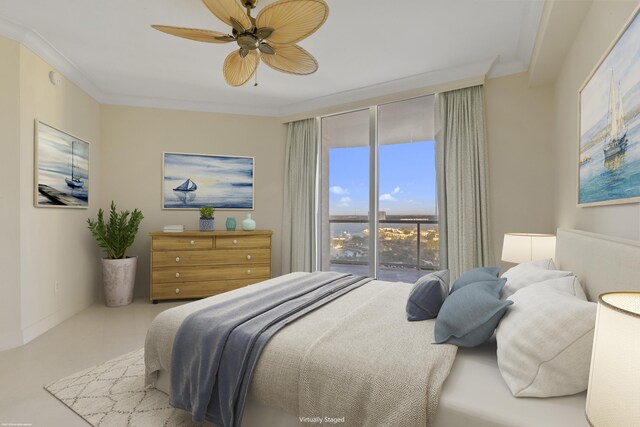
x: 266, y: 49
x: 292, y: 20
x: 238, y: 70
x: 227, y: 9
x: 194, y: 34
x: 291, y: 59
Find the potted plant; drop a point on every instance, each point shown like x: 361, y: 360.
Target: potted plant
x: 115, y: 237
x: 206, y: 218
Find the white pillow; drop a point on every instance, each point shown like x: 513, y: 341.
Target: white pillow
x: 545, y: 339
x: 528, y: 273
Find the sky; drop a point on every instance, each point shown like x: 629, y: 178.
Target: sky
x: 54, y: 152
x: 407, y: 181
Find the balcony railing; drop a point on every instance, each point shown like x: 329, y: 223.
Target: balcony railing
x: 393, y: 244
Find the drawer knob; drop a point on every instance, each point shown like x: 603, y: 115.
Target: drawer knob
x: 249, y: 257
x: 235, y: 242
x: 248, y: 271
x: 177, y: 259
x: 177, y: 290
x: 177, y: 274
x: 193, y: 242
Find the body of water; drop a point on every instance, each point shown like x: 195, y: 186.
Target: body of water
x: 619, y: 179
x: 340, y: 229
x: 56, y: 180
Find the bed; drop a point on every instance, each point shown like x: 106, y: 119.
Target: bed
x: 473, y: 393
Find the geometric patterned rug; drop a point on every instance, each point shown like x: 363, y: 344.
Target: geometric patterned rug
x: 113, y: 395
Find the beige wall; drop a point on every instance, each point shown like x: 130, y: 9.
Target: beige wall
x: 521, y: 179
x: 134, y: 140
x: 40, y: 246
x: 10, y: 327
x: 55, y: 243
x: 600, y: 27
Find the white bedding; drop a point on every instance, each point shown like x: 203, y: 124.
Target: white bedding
x: 474, y: 394
x: 357, y: 357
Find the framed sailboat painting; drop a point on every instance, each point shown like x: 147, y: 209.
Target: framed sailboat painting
x: 61, y: 169
x: 609, y: 135
x: 191, y: 181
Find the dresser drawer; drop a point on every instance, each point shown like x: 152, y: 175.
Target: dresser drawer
x: 202, y: 289
x: 191, y: 258
x: 181, y: 243
x: 231, y: 242
x: 196, y: 274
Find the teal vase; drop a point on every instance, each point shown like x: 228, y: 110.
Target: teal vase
x: 248, y: 224
x: 230, y: 224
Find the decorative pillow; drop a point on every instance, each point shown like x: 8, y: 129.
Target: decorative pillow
x: 528, y: 273
x: 469, y: 316
x: 427, y: 295
x: 479, y: 274
x: 545, y: 340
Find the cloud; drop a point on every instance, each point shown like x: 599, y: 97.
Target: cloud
x: 396, y: 190
x: 344, y: 202
x: 339, y: 190
x: 388, y: 198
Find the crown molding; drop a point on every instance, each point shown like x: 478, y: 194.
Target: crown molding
x: 185, y: 105
x: 506, y: 68
x: 45, y: 50
x: 412, y: 84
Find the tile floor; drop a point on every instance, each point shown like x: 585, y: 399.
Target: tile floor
x: 89, y: 338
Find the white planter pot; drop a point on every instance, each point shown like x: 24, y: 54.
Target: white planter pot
x: 118, y: 278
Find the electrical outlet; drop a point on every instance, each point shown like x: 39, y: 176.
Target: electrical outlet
x: 56, y: 286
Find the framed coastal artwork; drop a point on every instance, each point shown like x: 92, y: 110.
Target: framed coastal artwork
x: 609, y: 135
x: 191, y: 181
x: 61, y: 169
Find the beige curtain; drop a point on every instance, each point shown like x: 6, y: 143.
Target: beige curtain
x: 299, y: 219
x: 461, y: 163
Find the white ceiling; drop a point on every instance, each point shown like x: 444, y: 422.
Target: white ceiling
x: 108, y: 48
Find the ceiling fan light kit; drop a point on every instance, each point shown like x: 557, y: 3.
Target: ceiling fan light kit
x: 271, y: 36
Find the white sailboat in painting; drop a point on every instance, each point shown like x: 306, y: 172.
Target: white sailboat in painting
x: 188, y: 185
x: 615, y: 140
x: 73, y: 181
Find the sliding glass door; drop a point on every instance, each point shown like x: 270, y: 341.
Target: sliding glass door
x: 407, y: 217
x: 345, y: 193
x: 378, y: 191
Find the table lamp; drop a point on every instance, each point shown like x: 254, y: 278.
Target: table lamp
x: 613, y: 396
x: 524, y: 247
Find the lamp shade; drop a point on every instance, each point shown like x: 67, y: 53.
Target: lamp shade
x: 613, y: 396
x: 525, y: 247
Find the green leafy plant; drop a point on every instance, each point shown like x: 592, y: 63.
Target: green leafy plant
x: 117, y: 235
x: 206, y: 212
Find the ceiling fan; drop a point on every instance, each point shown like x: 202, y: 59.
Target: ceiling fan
x: 271, y: 36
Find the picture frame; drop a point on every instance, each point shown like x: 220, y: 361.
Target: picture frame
x: 608, y: 164
x: 61, y: 169
x: 191, y: 181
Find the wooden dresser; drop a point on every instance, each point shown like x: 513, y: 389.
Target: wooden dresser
x: 197, y: 264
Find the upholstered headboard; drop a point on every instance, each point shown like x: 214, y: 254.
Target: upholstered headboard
x: 602, y: 263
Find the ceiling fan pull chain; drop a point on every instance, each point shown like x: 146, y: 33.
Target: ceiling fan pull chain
x: 256, y: 82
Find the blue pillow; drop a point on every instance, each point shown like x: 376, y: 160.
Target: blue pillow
x: 479, y: 274
x: 469, y: 317
x: 427, y: 295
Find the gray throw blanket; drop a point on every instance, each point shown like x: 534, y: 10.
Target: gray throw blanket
x: 216, y: 349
